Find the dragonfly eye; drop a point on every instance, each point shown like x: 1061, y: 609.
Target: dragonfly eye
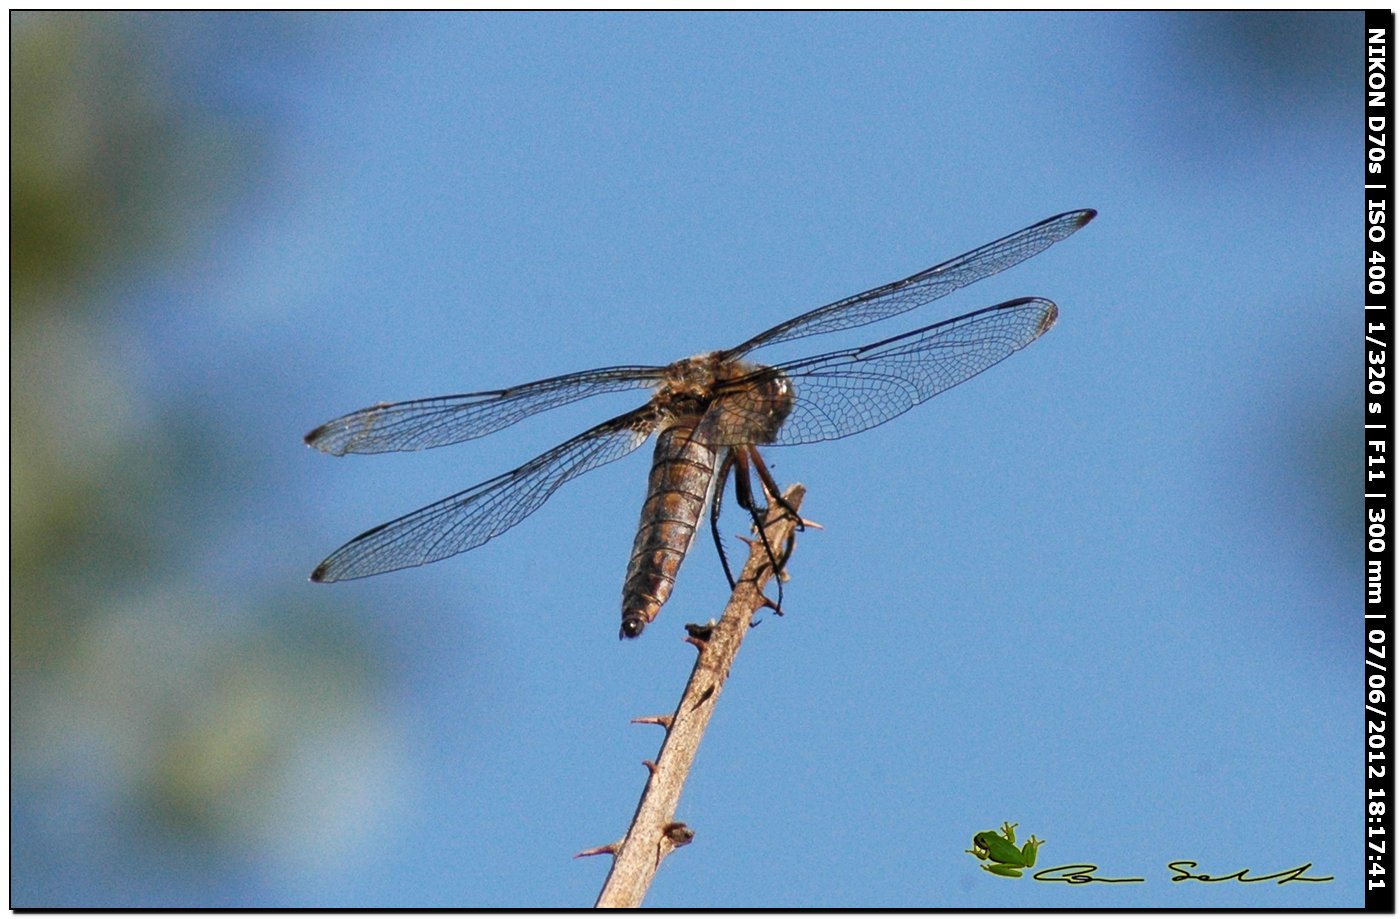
x: 632, y: 627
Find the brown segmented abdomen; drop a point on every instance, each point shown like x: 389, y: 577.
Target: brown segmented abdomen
x: 681, y: 470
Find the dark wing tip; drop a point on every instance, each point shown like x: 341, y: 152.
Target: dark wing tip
x: 1049, y: 312
x: 1087, y: 215
x: 327, y: 439
x: 319, y: 575
x: 311, y: 438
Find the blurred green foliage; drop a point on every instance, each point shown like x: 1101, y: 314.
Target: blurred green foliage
x: 107, y: 162
x: 178, y: 711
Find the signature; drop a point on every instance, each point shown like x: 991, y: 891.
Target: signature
x: 1080, y: 874
x: 1292, y: 874
x: 1084, y: 874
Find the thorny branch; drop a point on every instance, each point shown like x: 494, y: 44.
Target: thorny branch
x: 654, y: 832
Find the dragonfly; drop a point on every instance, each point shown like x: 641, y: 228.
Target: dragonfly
x: 710, y: 413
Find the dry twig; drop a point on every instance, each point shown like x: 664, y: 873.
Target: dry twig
x: 654, y: 832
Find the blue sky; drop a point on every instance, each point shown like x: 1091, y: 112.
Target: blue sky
x: 1106, y: 590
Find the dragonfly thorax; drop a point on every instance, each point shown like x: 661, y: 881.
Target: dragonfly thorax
x: 746, y: 403
x: 688, y: 387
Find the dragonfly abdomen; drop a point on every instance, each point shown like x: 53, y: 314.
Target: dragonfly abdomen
x: 681, y: 470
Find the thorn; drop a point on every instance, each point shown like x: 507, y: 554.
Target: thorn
x: 701, y: 633
x: 753, y: 544
x: 651, y: 766
x: 609, y: 849
x: 678, y: 833
x: 810, y: 523
x: 663, y: 720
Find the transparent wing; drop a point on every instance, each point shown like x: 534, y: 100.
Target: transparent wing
x: 844, y: 392
x: 423, y: 423
x: 470, y: 518
x: 926, y: 286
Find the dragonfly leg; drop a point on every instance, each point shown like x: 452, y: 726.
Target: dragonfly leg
x: 721, y: 479
x: 770, y: 486
x: 743, y: 496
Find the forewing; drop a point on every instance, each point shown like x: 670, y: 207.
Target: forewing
x: 470, y: 518
x: 926, y: 286
x: 423, y: 423
x: 844, y: 392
